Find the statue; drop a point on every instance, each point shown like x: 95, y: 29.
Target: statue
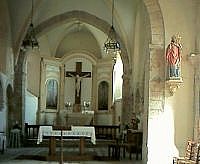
x: 173, y: 57
x: 135, y: 121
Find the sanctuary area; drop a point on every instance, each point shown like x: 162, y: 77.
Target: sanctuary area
x: 100, y: 80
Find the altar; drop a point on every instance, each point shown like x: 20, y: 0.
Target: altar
x: 79, y: 118
x: 76, y: 131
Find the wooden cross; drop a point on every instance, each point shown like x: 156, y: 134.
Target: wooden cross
x: 78, y: 75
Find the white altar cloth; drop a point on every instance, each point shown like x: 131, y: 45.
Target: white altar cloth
x: 77, y: 131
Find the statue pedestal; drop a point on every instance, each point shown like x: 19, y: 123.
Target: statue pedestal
x: 174, y: 84
x: 77, y: 108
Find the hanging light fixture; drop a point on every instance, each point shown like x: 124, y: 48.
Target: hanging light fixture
x: 112, y: 46
x: 30, y: 39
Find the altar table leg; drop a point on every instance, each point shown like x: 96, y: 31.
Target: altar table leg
x: 82, y: 142
x: 52, y: 146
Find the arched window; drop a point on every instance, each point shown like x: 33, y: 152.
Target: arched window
x: 117, y: 78
x: 103, y: 96
x: 52, y: 94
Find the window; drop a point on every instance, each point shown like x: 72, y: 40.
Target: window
x: 103, y: 96
x: 117, y: 79
x: 52, y: 94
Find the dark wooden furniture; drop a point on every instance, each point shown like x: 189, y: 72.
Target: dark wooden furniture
x: 134, y: 138
x: 191, y: 154
x: 109, y: 132
x: 132, y: 144
x: 102, y: 132
x: 31, y: 134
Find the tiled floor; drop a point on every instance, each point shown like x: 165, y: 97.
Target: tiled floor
x: 9, y: 156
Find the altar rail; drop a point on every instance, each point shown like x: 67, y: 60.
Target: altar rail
x: 103, y: 132
x: 109, y: 132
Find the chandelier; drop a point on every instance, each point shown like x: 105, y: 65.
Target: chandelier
x: 112, y: 46
x: 30, y: 39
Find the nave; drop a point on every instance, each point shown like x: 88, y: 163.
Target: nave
x: 12, y: 155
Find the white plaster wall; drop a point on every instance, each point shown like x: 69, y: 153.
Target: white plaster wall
x: 103, y: 118
x: 48, y: 118
x: 31, y: 105
x: 169, y: 129
x: 177, y: 118
x: 33, y: 72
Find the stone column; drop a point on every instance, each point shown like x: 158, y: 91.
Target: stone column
x: 157, y: 81
x: 19, y: 88
x: 156, y: 101
x: 41, y: 99
x: 127, y: 99
x: 62, y: 88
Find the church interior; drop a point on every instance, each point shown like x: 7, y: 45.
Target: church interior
x: 125, y: 70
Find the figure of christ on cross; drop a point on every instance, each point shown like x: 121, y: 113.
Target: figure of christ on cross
x: 78, y: 76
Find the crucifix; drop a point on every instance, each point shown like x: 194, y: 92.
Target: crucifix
x: 78, y: 75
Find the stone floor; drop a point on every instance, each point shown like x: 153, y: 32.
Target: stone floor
x: 11, y: 154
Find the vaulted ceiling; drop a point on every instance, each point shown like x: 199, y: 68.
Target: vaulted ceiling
x: 58, y: 37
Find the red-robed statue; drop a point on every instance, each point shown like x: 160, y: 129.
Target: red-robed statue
x: 173, y: 57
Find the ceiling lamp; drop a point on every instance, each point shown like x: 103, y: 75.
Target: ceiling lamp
x: 112, y: 46
x: 30, y: 39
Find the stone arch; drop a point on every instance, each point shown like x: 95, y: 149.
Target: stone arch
x: 86, y: 18
x: 156, y: 22
x: 155, y: 79
x: 85, y: 54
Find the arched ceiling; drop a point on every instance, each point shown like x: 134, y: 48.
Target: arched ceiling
x: 65, y: 38
x: 71, y: 37
x: 80, y: 38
